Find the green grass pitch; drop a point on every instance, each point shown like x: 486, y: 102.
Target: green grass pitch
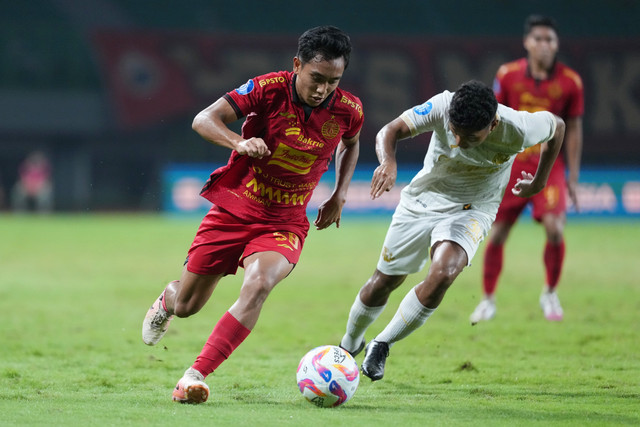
x: 74, y: 290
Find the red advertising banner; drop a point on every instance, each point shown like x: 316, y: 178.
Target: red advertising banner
x: 155, y: 76
x: 145, y: 83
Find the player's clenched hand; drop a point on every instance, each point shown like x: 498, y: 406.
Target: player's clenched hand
x: 384, y: 178
x: 253, y: 147
x: 524, y: 186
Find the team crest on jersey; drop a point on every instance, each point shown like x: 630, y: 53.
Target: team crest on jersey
x: 246, y: 88
x: 423, y: 109
x: 555, y: 90
x: 500, y: 158
x: 330, y: 129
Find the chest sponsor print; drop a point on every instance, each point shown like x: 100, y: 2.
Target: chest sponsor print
x: 292, y: 160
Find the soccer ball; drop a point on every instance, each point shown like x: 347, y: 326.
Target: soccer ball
x: 328, y: 376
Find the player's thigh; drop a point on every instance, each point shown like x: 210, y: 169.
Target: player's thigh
x: 264, y: 270
x: 467, y: 228
x: 268, y: 258
x: 406, y: 246
x: 218, y: 244
x: 511, y: 208
x: 552, y: 200
x: 286, y: 243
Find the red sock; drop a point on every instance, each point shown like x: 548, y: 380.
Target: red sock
x: 492, y: 267
x: 553, y: 260
x: 164, y: 295
x: 163, y: 300
x: 227, y: 335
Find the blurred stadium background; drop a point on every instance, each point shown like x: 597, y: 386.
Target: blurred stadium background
x: 107, y: 89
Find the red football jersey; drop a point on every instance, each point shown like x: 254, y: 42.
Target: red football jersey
x: 562, y: 93
x: 278, y: 187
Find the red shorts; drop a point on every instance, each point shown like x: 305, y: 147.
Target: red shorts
x: 223, y: 241
x: 553, y: 199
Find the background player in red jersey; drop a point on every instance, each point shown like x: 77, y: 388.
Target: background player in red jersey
x: 295, y: 122
x: 537, y: 82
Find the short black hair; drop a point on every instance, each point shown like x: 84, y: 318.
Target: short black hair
x: 327, y: 41
x: 539, y: 21
x: 473, y: 106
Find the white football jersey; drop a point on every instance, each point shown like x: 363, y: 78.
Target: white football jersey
x: 452, y: 176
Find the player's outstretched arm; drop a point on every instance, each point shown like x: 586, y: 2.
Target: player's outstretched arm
x: 384, y: 177
x: 211, y: 124
x: 330, y: 210
x: 529, y: 185
x: 573, y: 150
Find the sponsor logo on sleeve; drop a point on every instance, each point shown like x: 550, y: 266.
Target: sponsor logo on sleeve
x: 352, y: 104
x: 271, y: 80
x: 246, y: 88
x: 496, y: 86
x: 423, y: 109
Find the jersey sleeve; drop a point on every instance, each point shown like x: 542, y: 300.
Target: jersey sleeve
x: 247, y: 98
x: 539, y: 127
x: 499, y: 87
x: 576, y: 100
x: 357, y: 119
x: 426, y: 117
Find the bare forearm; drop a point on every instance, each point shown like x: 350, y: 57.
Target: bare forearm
x: 548, y: 155
x: 211, y: 125
x: 346, y: 160
x: 573, y: 147
x: 330, y: 210
x: 386, y: 143
x: 384, y: 177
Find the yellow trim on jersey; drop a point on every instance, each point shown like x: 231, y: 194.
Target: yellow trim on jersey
x: 573, y: 76
x: 405, y: 118
x: 507, y: 68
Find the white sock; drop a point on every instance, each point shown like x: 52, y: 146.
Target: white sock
x: 410, y: 316
x: 360, y: 318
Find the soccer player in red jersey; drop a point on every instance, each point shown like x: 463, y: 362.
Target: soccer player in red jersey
x: 538, y: 82
x: 295, y: 122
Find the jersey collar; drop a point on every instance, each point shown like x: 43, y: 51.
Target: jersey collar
x: 552, y: 70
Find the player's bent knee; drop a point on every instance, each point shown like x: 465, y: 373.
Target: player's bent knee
x: 382, y: 281
x: 254, y: 294
x: 445, y: 275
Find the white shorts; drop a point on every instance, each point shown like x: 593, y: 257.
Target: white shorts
x: 412, y: 234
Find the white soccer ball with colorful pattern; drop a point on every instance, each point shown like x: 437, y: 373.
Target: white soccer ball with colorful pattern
x: 328, y: 376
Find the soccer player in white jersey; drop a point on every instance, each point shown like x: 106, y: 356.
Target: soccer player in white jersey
x: 448, y: 207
